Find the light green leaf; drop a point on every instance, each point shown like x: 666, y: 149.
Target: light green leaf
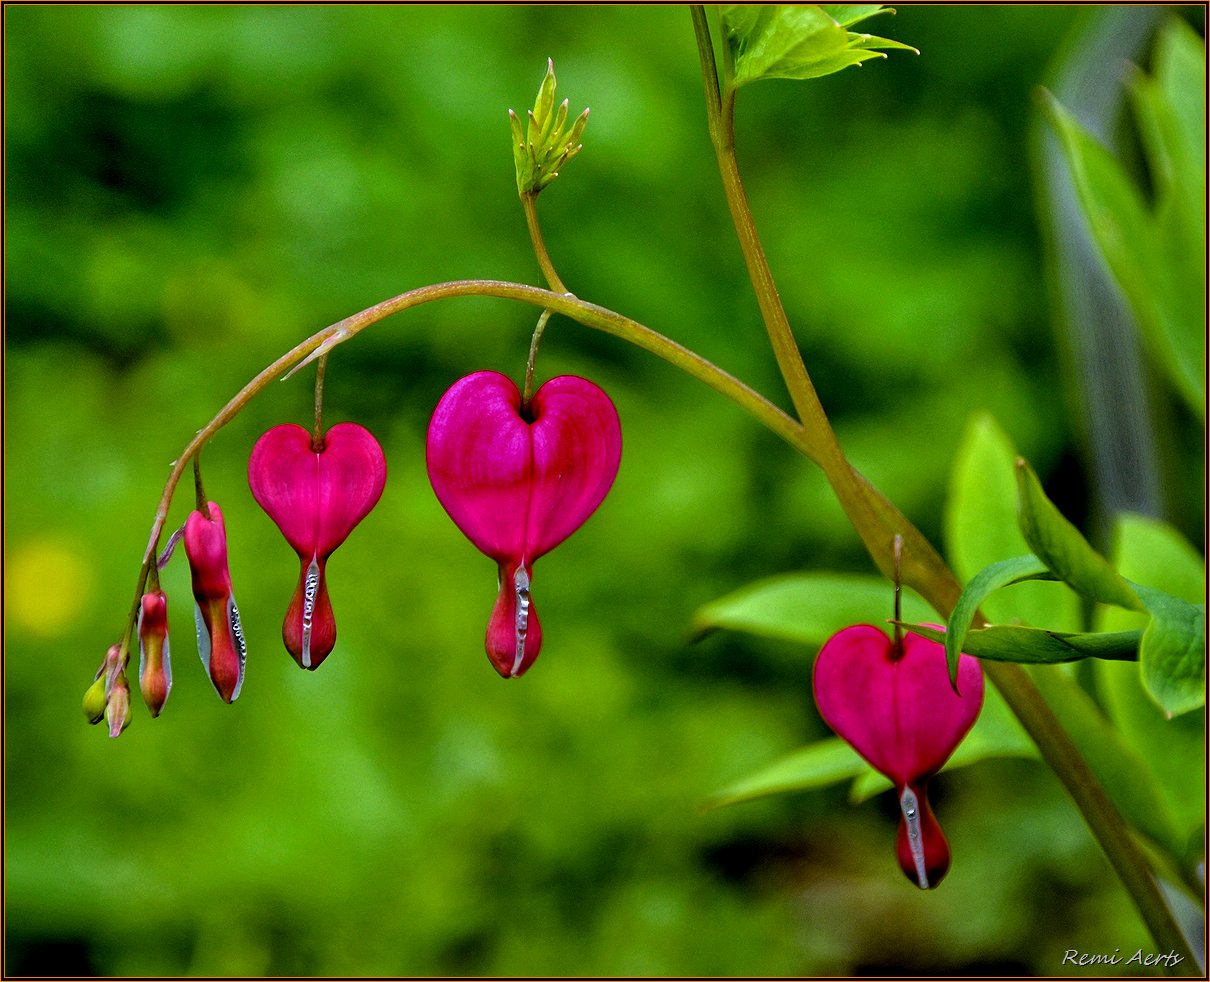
x: 814, y: 766
x: 980, y: 521
x: 1066, y: 552
x: 1153, y: 257
x: 807, y: 607
x: 848, y: 14
x: 986, y: 581
x: 1173, y: 653
x: 796, y: 41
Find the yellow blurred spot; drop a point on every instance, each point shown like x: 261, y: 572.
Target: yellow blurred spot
x: 47, y: 587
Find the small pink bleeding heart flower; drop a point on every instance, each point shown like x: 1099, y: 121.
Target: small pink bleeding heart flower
x: 898, y: 710
x: 220, y: 640
x: 518, y: 481
x: 316, y: 494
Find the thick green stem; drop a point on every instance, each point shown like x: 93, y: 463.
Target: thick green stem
x: 878, y: 523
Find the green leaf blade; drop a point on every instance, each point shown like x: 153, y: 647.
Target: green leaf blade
x: 1066, y: 552
x: 987, y: 581
x: 807, y: 608
x: 1173, y: 653
x: 797, y: 41
x: 814, y: 766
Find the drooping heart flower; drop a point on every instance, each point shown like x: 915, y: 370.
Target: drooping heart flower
x: 518, y: 481
x: 897, y: 708
x: 316, y: 493
x: 155, y: 665
x: 220, y: 640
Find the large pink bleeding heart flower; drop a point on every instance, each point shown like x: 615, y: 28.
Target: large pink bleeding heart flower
x: 518, y: 481
x: 316, y: 493
x: 897, y: 708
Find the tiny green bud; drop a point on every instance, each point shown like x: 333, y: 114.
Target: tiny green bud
x: 95, y: 700
x: 544, y: 145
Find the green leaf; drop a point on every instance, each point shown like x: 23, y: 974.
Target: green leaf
x: 814, y: 766
x: 1038, y: 646
x: 807, y: 607
x: 1173, y: 654
x: 1149, y: 551
x: 848, y: 14
x: 1154, y: 258
x: 986, y: 581
x: 796, y: 41
x: 1066, y: 553
x: 980, y: 521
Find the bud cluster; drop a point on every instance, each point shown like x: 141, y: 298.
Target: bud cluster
x: 542, y: 148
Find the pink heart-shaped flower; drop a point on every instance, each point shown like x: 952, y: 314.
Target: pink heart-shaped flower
x: 316, y: 495
x: 898, y: 710
x: 518, y: 481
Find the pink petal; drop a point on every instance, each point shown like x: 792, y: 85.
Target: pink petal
x: 901, y: 715
x: 577, y: 442
x: 517, y: 487
x: 480, y: 460
x: 317, y: 498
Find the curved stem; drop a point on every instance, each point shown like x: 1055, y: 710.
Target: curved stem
x: 529, y: 201
x: 527, y: 392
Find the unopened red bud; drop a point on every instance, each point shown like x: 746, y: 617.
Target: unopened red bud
x: 155, y: 665
x: 117, y: 710
x: 220, y: 640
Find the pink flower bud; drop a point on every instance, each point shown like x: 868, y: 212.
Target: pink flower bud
x: 897, y: 708
x: 518, y: 482
x: 155, y: 665
x: 117, y: 709
x: 316, y: 495
x: 220, y: 640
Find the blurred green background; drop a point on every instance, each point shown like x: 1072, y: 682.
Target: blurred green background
x: 191, y: 190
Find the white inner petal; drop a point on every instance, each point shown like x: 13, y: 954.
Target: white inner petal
x: 910, y: 807
x: 521, y: 619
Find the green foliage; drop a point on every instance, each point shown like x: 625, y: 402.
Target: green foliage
x: 1155, y: 249
x: 192, y: 189
x: 1150, y: 551
x: 1173, y: 651
x: 797, y: 41
x: 1171, y: 648
x: 981, y: 529
x: 1118, y: 765
x: 1063, y: 550
x: 805, y: 607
